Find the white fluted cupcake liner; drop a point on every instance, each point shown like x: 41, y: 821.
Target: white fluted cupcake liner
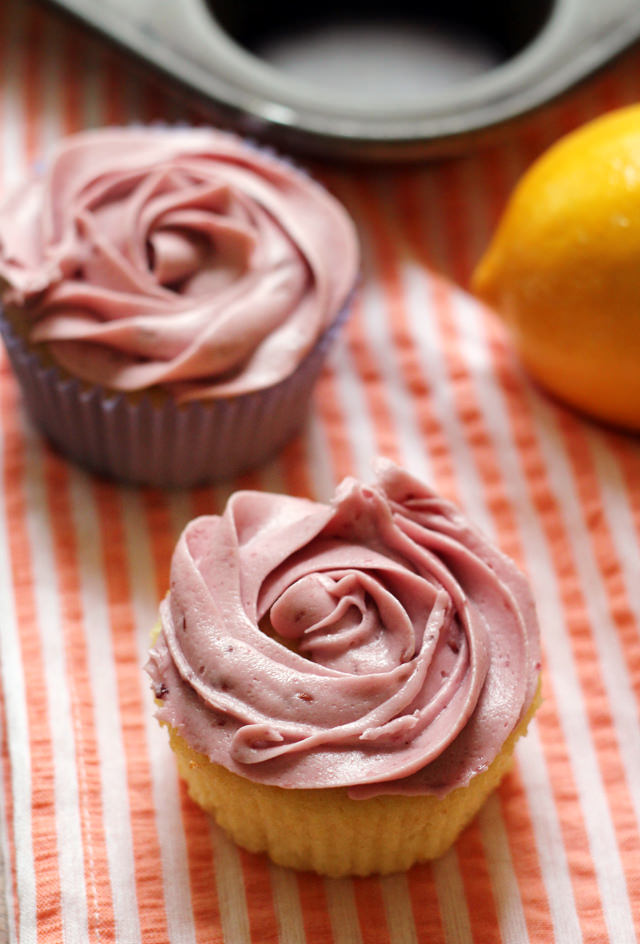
x: 158, y: 442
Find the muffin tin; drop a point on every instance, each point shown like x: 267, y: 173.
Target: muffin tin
x: 214, y: 50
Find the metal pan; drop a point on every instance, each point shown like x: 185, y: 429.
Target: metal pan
x: 215, y: 51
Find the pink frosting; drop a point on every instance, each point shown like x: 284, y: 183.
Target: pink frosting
x: 181, y: 258
x: 416, y: 642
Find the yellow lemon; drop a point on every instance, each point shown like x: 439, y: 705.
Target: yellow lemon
x: 563, y: 268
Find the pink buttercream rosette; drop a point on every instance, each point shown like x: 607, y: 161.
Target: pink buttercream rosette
x: 413, y: 644
x: 170, y: 296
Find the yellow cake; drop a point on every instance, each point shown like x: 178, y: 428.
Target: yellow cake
x: 328, y: 832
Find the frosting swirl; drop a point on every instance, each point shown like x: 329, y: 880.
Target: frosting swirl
x: 378, y: 643
x: 175, y: 257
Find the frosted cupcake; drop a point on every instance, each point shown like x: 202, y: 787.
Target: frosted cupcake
x: 169, y: 297
x: 344, y: 684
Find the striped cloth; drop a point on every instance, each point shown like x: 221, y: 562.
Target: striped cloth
x: 100, y: 842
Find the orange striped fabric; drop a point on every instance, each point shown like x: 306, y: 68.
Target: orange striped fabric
x: 98, y: 840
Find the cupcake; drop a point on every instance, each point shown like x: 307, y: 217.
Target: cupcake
x: 344, y: 684
x: 169, y: 297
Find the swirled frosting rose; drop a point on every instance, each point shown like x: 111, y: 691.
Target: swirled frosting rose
x: 378, y: 643
x: 175, y: 257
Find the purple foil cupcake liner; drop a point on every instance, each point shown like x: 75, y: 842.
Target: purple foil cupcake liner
x: 164, y: 444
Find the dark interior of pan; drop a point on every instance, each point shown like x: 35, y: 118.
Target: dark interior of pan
x: 305, y: 40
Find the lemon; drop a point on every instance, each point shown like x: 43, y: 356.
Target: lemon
x: 563, y: 268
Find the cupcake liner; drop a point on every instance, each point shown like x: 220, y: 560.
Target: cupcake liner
x: 162, y: 443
